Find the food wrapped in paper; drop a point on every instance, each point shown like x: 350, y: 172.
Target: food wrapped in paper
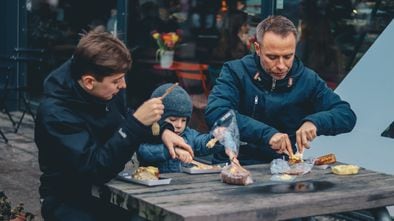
x: 234, y: 174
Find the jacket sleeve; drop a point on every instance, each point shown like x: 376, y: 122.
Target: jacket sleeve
x: 150, y: 153
x: 62, y: 134
x: 332, y: 115
x: 224, y: 96
x: 199, y: 141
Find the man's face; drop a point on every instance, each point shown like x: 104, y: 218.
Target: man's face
x: 108, y: 87
x: 276, y: 54
x: 179, y: 123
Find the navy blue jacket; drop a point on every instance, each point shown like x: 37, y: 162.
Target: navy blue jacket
x: 81, y: 140
x: 157, y: 154
x: 265, y: 106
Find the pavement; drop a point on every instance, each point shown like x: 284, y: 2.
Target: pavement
x: 19, y: 170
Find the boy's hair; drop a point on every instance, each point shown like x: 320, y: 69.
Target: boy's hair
x: 100, y: 54
x: 277, y: 24
x: 176, y: 104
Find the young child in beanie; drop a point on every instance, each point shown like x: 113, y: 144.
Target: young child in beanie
x: 177, y: 111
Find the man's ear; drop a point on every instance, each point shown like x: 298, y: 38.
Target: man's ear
x: 257, y: 47
x: 88, y: 81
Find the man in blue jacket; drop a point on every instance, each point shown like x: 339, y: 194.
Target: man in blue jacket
x: 279, y: 102
x: 85, y: 134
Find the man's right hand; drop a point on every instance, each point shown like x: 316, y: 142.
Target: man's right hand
x: 150, y: 111
x: 172, y: 140
x: 183, y: 155
x: 280, y: 143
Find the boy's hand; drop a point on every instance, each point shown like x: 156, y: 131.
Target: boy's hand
x: 172, y: 140
x: 150, y: 111
x: 183, y: 155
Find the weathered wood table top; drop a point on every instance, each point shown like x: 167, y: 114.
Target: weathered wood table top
x: 205, y: 197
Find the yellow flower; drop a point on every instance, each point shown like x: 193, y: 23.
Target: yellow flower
x: 156, y: 35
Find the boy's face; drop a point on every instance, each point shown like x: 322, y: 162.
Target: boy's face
x: 107, y: 88
x: 179, y: 123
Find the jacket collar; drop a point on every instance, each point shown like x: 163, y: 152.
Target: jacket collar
x: 263, y: 79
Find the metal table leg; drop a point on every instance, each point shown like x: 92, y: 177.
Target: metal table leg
x: 5, y: 138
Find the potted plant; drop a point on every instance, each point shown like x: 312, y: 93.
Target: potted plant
x: 166, y: 42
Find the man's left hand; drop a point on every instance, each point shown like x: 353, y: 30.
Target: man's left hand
x: 305, y: 134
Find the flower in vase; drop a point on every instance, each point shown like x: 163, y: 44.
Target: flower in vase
x: 166, y: 41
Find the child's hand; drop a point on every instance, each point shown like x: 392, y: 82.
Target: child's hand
x: 183, y: 155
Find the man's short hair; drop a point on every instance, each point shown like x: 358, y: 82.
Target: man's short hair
x: 277, y: 24
x: 100, y: 54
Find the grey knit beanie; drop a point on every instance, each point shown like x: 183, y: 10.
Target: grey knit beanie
x: 177, y: 103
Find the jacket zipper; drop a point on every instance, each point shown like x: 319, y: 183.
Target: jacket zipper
x: 273, y: 85
x: 256, y: 101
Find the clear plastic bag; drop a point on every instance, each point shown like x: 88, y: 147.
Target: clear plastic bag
x: 232, y: 174
x: 225, y: 130
x: 280, y: 166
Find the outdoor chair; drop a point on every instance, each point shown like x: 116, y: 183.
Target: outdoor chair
x: 192, y: 77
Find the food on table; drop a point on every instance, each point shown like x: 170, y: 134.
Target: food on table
x: 326, y: 159
x: 296, y: 158
x: 146, y: 173
x: 345, y: 169
x: 202, y: 166
x: 235, y: 174
x: 284, y: 177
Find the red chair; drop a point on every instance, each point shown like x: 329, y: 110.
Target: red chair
x: 192, y: 77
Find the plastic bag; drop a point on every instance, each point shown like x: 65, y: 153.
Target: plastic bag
x: 233, y: 174
x: 279, y: 166
x: 225, y: 130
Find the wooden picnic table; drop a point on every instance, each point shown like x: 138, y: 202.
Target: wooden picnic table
x: 205, y: 197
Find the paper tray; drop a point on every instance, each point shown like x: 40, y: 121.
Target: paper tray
x: 127, y: 177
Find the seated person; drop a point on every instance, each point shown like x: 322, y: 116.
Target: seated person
x: 278, y: 101
x: 177, y: 112
x: 233, y: 42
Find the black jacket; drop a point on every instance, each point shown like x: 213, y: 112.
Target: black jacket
x: 81, y: 140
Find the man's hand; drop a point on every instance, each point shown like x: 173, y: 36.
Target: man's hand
x: 183, y: 155
x: 172, y: 140
x: 305, y: 134
x: 150, y: 111
x: 280, y: 143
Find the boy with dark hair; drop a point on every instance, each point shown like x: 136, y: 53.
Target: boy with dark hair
x: 85, y: 134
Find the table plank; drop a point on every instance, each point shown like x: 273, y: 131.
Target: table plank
x: 204, y: 197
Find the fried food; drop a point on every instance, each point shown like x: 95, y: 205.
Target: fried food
x: 205, y: 167
x: 146, y: 173
x: 326, y: 159
x: 345, y: 169
x: 296, y: 158
x: 211, y: 143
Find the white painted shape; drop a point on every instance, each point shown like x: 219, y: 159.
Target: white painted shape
x: 369, y: 88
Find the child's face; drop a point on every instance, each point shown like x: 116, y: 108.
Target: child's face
x: 179, y: 123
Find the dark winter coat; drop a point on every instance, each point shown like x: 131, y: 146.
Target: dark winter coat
x: 265, y: 106
x: 81, y: 140
x: 157, y: 154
